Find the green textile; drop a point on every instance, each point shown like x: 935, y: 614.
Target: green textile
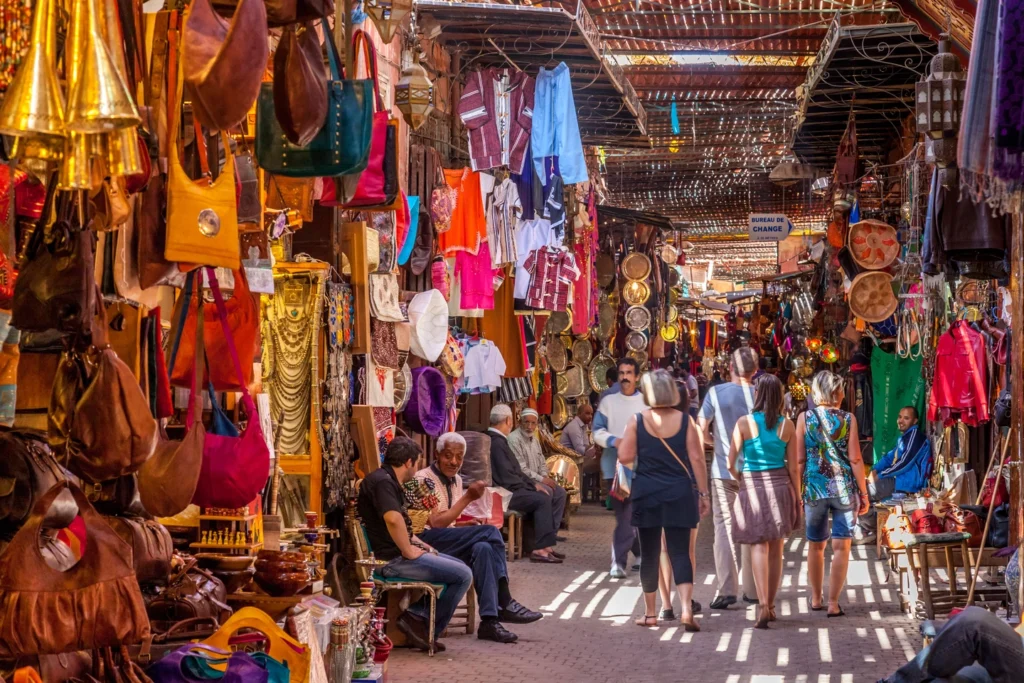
x: 895, y: 383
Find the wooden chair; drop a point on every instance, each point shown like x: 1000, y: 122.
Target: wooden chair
x: 919, y: 546
x: 465, y: 613
x: 513, y: 533
x: 361, y: 544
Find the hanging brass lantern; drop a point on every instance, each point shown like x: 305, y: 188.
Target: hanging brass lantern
x: 33, y: 106
x: 939, y: 102
x: 414, y: 94
x: 388, y: 15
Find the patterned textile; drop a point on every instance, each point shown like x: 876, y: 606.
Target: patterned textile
x: 552, y: 272
x: 504, y: 210
x: 828, y: 473
x: 1007, y: 163
x: 498, y: 112
x: 974, y: 145
x: 340, y: 313
x: 384, y: 428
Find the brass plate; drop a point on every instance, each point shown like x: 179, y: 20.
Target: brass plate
x: 639, y: 356
x: 636, y: 341
x: 638, y: 318
x: 558, y: 322
x: 605, y: 321
x: 636, y: 266
x: 671, y: 314
x: 561, y: 382
x: 559, y: 412
x: 597, y: 370
x: 636, y: 292
x: 554, y: 351
x: 669, y: 332
x: 582, y: 352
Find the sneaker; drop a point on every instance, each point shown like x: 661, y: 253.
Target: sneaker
x: 514, y: 613
x: 617, y: 573
x: 493, y: 630
x: 723, y: 602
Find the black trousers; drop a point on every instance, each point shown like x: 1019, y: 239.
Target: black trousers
x: 537, y: 504
x: 677, y: 540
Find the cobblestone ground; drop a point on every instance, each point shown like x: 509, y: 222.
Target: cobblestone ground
x: 588, y: 632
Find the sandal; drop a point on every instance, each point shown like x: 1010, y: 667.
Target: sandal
x: 840, y: 613
x: 647, y: 621
x: 819, y: 608
x: 690, y: 626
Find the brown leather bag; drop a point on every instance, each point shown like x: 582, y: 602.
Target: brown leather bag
x: 300, y: 84
x: 27, y: 471
x: 55, y: 286
x: 168, y: 479
x: 113, y: 431
x: 957, y: 519
x: 150, y: 234
x: 95, y: 603
x: 151, y: 544
x: 223, y: 61
x: 284, y: 12
x: 191, y: 593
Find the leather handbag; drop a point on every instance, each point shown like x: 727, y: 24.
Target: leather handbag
x: 191, y: 594
x: 300, y: 84
x: 443, y: 199
x: 958, y: 519
x: 250, y: 211
x: 168, y: 479
x: 150, y: 234
x: 234, y: 470
x: 151, y: 544
x: 285, y: 12
x: 242, y: 319
x: 223, y: 62
x: 27, y: 471
x: 95, y: 603
x: 341, y: 145
x: 202, y: 218
x: 282, y: 646
x: 55, y: 289
x: 370, y: 189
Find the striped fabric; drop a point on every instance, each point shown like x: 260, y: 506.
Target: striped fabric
x: 498, y: 111
x: 514, y: 389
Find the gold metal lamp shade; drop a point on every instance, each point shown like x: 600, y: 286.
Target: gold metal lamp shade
x: 388, y: 15
x: 99, y: 101
x: 33, y: 106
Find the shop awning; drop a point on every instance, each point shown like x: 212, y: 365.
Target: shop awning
x: 869, y: 70
x: 608, y: 108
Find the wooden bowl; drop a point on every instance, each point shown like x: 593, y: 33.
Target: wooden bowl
x: 282, y: 585
x: 218, y: 562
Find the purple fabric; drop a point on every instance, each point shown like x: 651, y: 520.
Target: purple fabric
x: 241, y: 668
x: 974, y: 146
x: 426, y: 410
x: 1008, y: 115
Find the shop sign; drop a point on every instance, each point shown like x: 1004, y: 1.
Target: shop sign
x: 768, y: 227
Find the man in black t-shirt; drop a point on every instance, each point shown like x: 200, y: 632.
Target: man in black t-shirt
x: 381, y: 508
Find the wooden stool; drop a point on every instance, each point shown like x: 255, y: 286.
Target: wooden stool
x: 919, y: 546
x: 465, y: 613
x: 513, y: 533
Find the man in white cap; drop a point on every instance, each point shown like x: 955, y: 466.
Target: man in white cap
x: 526, y: 447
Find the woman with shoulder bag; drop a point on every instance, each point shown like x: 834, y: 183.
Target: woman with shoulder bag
x: 832, y: 473
x: 767, y: 506
x: 669, y: 491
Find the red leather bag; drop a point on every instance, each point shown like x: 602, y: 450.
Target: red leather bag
x: 234, y: 469
x: 371, y: 190
x: 925, y: 522
x: 239, y: 317
x: 958, y: 519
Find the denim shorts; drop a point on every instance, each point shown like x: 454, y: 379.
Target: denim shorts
x: 844, y: 516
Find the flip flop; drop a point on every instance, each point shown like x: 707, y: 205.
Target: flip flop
x: 647, y: 622
x: 820, y: 608
x: 840, y: 613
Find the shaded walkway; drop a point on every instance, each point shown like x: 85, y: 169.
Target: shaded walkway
x: 588, y: 633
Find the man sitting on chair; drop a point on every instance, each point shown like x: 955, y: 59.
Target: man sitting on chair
x: 470, y: 539
x: 382, y: 510
x: 525, y: 445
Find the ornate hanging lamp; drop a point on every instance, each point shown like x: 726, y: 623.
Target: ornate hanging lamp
x: 388, y: 15
x: 939, y: 102
x: 414, y: 92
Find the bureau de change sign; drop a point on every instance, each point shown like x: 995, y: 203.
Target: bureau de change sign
x: 768, y: 227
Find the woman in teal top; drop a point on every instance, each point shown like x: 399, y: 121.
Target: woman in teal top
x: 767, y: 506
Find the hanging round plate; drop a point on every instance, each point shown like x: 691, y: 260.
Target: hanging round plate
x: 605, y: 267
x: 639, y: 356
x: 561, y: 382
x: 673, y: 297
x: 636, y: 341
x: 669, y: 254
x: 671, y: 314
x: 582, y: 352
x: 554, y: 351
x: 636, y: 292
x: 605, y: 321
x: 871, y: 296
x: 669, y: 332
x: 558, y: 322
x: 638, y: 318
x: 674, y: 278
x: 873, y: 244
x: 636, y: 266
x: 598, y: 369
x: 575, y: 381
x: 559, y: 412
x: 403, y: 388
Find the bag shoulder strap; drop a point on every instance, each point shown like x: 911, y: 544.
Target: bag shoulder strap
x: 641, y: 418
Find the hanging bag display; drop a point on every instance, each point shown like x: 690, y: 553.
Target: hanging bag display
x: 340, y: 146
x: 242, y: 318
x: 443, y: 200
x: 300, y: 84
x: 223, y: 61
x: 202, y: 218
x: 234, y: 470
x: 95, y: 603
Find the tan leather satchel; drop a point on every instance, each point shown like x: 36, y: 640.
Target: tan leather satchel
x: 151, y: 544
x: 224, y: 62
x: 95, y: 603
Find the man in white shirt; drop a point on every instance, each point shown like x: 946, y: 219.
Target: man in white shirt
x: 614, y: 411
x: 526, y: 447
x: 723, y: 406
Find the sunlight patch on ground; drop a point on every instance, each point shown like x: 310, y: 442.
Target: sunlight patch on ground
x: 883, y: 639
x: 588, y: 611
x: 743, y: 651
x: 760, y: 678
x: 561, y: 597
x: 619, y: 608
x: 782, y: 658
x: 669, y: 633
x: 723, y: 642
x: 901, y: 635
x: 860, y: 573
x: 570, y: 610
x: 824, y: 646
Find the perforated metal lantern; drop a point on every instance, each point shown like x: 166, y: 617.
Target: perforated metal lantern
x: 414, y: 95
x: 939, y: 102
x: 388, y: 15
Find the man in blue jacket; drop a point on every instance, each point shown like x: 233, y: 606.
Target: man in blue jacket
x: 905, y: 469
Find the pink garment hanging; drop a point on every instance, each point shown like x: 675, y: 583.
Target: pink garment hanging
x: 476, y: 278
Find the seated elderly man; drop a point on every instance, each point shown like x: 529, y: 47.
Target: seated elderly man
x: 526, y: 447
x: 382, y: 510
x: 473, y: 541
x: 528, y: 497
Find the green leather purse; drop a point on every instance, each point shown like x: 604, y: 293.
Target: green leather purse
x: 343, y: 144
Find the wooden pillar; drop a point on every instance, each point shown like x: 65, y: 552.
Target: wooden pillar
x: 1016, y: 454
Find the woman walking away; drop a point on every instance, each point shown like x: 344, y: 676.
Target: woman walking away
x: 832, y: 473
x: 767, y: 504
x: 669, y: 491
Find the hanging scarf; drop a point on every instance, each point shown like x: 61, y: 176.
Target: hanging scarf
x: 974, y: 148
x: 1008, y: 162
